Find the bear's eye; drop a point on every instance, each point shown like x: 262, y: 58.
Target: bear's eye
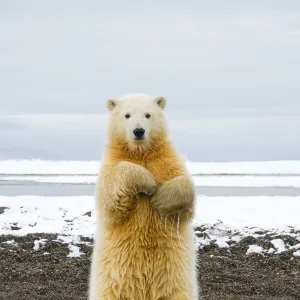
x: 147, y: 116
x: 127, y: 116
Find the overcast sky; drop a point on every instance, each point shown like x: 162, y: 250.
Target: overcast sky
x: 230, y: 71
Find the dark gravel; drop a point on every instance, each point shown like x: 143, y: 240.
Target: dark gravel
x: 26, y: 274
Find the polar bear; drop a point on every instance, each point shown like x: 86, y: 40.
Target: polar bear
x: 145, y: 202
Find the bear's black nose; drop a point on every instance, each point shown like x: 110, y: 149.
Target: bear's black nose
x: 139, y: 133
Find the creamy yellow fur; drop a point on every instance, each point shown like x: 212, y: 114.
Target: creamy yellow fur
x: 144, y: 240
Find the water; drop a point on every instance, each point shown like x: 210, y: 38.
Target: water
x: 22, y: 187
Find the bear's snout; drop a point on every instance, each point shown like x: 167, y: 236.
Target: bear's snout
x: 139, y: 133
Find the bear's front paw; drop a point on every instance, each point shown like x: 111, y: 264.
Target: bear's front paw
x: 150, y: 187
x: 174, y: 196
x: 133, y: 179
x: 166, y: 202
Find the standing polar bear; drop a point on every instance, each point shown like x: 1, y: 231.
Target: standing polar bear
x: 145, y: 202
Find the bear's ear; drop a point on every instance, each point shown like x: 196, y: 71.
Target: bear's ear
x: 111, y: 103
x: 161, y: 102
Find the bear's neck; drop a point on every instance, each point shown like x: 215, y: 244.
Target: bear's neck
x: 119, y: 151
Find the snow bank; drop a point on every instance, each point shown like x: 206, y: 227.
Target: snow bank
x: 35, y: 167
x: 245, y: 168
x: 36, y: 214
x: 260, y: 212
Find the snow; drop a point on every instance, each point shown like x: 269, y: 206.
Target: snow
x: 74, y: 251
x: 260, y: 212
x: 248, y: 168
x: 11, y: 242
x: 68, y: 215
x: 248, y: 181
x: 255, y: 249
x: 35, y: 214
x: 219, y: 220
x: 279, y: 245
x: 222, y: 242
x: 37, y: 244
x: 35, y: 167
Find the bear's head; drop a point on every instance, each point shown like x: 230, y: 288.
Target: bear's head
x: 137, y: 120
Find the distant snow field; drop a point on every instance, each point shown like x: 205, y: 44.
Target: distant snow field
x: 214, y: 180
x: 36, y: 167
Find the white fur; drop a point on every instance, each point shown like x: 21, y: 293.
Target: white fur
x: 137, y: 106
x: 120, y: 257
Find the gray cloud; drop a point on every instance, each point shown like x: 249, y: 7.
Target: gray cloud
x: 229, y: 71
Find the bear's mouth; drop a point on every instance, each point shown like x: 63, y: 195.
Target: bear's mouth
x: 139, y: 138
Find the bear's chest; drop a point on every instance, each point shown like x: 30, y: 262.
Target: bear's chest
x: 163, y: 169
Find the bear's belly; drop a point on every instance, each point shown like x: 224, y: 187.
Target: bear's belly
x: 147, y: 256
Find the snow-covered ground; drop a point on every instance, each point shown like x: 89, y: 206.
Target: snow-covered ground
x: 36, y: 167
x: 75, y: 215
x: 224, y: 220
